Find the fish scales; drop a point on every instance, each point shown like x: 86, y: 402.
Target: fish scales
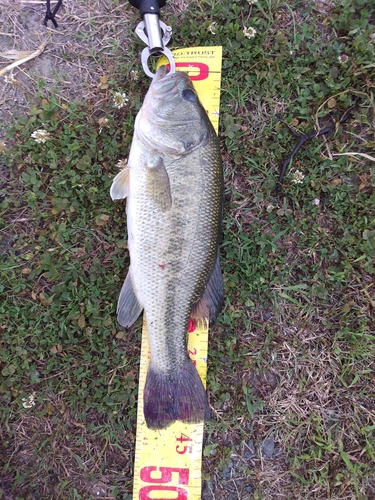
x: 174, y: 205
x: 174, y: 259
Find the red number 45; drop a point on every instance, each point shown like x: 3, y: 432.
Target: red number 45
x: 183, y: 449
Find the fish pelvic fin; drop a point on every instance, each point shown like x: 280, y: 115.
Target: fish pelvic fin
x: 128, y: 306
x: 212, y: 299
x: 120, y: 185
x: 179, y: 395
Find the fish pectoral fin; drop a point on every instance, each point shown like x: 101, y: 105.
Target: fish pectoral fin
x: 128, y: 306
x: 120, y: 185
x: 158, y: 186
x: 212, y: 299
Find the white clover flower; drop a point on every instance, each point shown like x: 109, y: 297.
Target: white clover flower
x: 249, y: 32
x: 10, y: 79
x: 343, y: 59
x: 28, y: 402
x: 103, y: 122
x: 212, y: 28
x: 134, y: 75
x: 298, y: 177
x: 122, y: 164
x: 41, y: 135
x: 119, y: 100
x: 316, y: 202
x: 252, y: 2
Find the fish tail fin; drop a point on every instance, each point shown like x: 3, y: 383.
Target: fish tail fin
x: 179, y: 395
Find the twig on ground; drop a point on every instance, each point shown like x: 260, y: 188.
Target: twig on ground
x: 329, y: 129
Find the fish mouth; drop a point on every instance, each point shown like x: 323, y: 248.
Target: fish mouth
x: 161, y: 72
x: 164, y: 84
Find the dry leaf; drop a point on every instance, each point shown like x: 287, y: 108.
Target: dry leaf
x: 45, y: 300
x: 103, y: 84
x: 16, y: 55
x: 365, y: 178
x: 335, y: 182
x: 331, y: 103
x: 18, y: 62
x: 348, y: 306
x: 294, y: 122
x: 82, y: 321
x: 102, y: 219
x: 56, y: 348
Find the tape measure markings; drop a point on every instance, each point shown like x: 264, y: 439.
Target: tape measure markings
x: 168, y: 461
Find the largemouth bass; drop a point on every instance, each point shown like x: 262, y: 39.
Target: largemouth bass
x: 174, y: 190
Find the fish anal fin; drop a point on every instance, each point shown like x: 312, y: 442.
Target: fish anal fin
x: 120, y: 185
x: 178, y: 395
x: 211, y: 301
x: 201, y: 308
x: 158, y: 185
x: 128, y: 306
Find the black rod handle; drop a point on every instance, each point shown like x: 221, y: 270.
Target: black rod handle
x: 148, y: 6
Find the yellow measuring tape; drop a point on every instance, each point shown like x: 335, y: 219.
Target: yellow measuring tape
x: 168, y: 462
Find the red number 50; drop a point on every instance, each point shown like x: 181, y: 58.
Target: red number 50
x: 144, y: 493
x: 165, y: 477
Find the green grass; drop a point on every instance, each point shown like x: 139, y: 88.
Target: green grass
x: 291, y: 357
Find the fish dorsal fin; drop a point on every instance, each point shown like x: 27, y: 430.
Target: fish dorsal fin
x: 158, y: 185
x: 211, y: 301
x: 120, y: 185
x: 128, y: 306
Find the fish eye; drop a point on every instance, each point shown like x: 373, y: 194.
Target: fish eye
x: 189, y: 95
